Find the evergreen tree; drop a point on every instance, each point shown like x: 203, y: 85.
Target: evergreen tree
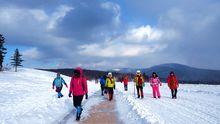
x: 16, y: 59
x: 2, y: 51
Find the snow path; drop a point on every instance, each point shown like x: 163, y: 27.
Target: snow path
x: 195, y: 104
x: 98, y: 110
x: 103, y: 113
x: 70, y: 117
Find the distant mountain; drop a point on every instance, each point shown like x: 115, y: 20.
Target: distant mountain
x: 184, y: 73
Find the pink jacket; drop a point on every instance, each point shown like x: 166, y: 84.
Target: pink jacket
x: 155, y: 81
x: 78, y: 86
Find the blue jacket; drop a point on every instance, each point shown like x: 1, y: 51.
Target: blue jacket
x: 58, y: 82
x: 102, y: 81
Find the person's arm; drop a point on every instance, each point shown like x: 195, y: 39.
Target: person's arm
x: 177, y: 82
x: 71, y: 87
x: 53, y: 83
x: 160, y: 83
x: 135, y: 81
x: 63, y: 81
x: 106, y: 83
x: 168, y: 82
x: 114, y: 83
x: 85, y: 87
x: 142, y: 78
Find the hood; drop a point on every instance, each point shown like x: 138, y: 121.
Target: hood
x: 80, y: 70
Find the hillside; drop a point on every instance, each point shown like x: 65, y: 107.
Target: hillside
x: 185, y: 74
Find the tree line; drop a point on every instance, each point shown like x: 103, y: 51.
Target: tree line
x: 16, y: 59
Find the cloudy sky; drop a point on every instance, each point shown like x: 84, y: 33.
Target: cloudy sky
x: 102, y: 34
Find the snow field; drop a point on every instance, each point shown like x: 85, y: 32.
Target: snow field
x: 27, y: 97
x: 195, y: 104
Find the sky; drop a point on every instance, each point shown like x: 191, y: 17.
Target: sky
x: 106, y: 34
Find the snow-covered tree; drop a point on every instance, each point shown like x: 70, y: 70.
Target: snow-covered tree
x: 16, y: 59
x: 2, y: 51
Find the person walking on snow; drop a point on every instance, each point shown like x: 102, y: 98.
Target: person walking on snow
x: 58, y: 83
x: 110, y: 85
x: 139, y: 81
x: 78, y: 88
x: 155, y: 83
x: 173, y: 84
x: 125, y: 81
x: 102, y: 84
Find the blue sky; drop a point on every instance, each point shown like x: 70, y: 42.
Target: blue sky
x: 106, y: 34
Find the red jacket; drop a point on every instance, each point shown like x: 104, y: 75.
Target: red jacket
x: 125, y: 80
x: 172, y: 82
x: 78, y: 86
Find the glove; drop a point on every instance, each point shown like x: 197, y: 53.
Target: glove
x: 70, y: 94
x: 86, y: 95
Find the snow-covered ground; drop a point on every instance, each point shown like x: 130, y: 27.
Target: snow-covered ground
x: 196, y: 104
x: 27, y: 97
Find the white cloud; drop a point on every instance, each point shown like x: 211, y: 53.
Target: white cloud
x: 58, y: 15
x: 115, y: 8
x: 143, y: 33
x: 119, y: 49
x: 138, y: 41
x: 31, y: 53
x: 39, y: 15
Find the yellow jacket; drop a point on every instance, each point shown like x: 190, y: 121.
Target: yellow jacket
x: 110, y: 82
x: 136, y: 80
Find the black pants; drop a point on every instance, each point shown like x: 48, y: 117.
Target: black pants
x: 140, y: 88
x: 110, y: 93
x: 173, y: 92
x: 58, y: 89
x: 102, y: 89
x: 126, y: 87
x: 77, y: 100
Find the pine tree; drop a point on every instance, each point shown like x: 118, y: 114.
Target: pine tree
x: 2, y: 51
x: 16, y: 59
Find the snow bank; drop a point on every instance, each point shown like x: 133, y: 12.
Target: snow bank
x: 195, y: 104
x: 27, y: 97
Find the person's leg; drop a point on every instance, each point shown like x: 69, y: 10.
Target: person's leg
x: 102, y: 89
x: 58, y: 90
x: 110, y: 94
x: 158, y: 91
x: 75, y: 101
x: 175, y: 93
x: 78, y: 101
x: 172, y: 93
x: 80, y: 98
x: 61, y: 95
x: 126, y: 87
x: 154, y: 91
x: 138, y: 93
x: 142, y: 94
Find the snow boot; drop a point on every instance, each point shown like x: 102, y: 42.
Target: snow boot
x: 78, y: 113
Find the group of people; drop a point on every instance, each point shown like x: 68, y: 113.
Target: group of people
x: 78, y: 89
x: 107, y: 84
x: 78, y: 86
x: 155, y: 83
